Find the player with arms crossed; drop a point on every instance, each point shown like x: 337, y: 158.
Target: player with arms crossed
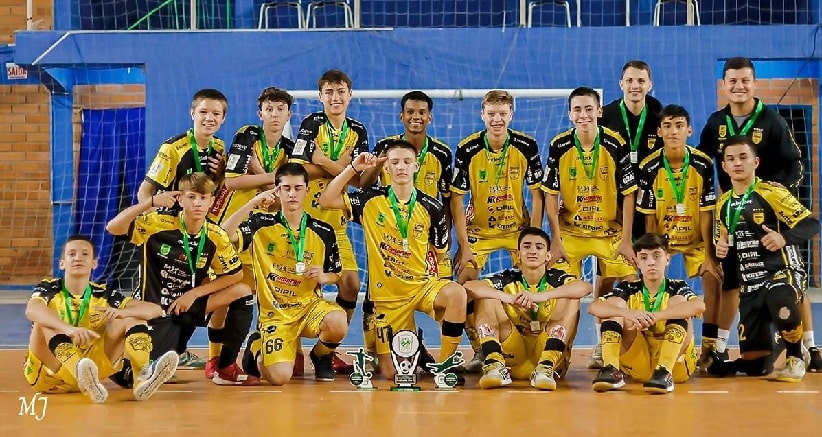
x: 401, y: 224
x: 647, y: 328
x: 80, y: 330
x: 527, y: 317
x: 762, y: 223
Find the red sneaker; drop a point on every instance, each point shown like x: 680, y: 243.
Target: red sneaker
x: 233, y: 375
x: 340, y: 366
x: 211, y: 367
x: 299, y: 364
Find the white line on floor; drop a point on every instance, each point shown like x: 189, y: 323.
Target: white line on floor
x: 708, y: 392
x: 261, y: 391
x: 798, y: 392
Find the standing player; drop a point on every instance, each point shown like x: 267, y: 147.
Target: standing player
x: 677, y: 196
x: 527, y: 317
x: 196, y: 150
x: 588, y: 166
x: 781, y: 163
x: 254, y: 156
x: 649, y: 328
x: 81, y: 329
x: 179, y: 251
x: 293, y: 255
x: 401, y: 224
x: 328, y: 141
x: 493, y: 165
x: 761, y: 224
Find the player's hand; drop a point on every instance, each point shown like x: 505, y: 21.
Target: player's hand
x: 166, y: 199
x: 526, y: 299
x: 182, y: 303
x: 772, y: 240
x: 557, y: 252
x: 507, y: 298
x: 265, y: 199
x: 82, y: 337
x: 640, y: 319
x: 365, y: 161
x: 216, y: 165
x: 254, y: 166
x: 722, y: 247
x: 463, y: 259
x: 626, y: 250
x: 711, y: 267
x: 108, y: 313
x: 318, y: 156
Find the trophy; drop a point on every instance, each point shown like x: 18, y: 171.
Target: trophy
x: 405, y: 352
x: 443, y: 379
x: 361, y: 378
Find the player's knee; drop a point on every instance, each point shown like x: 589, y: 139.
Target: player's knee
x: 334, y: 326
x: 278, y: 375
x: 455, y: 295
x: 783, y: 306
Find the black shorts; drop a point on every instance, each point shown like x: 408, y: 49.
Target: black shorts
x: 757, y: 331
x: 165, y: 332
x: 730, y: 268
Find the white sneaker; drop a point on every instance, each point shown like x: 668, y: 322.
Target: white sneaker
x: 154, y: 375
x: 794, y: 370
x: 494, y: 375
x: 596, y: 358
x: 542, y: 378
x: 89, y: 381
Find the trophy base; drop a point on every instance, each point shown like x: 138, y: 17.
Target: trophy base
x: 366, y: 389
x: 409, y: 388
x: 445, y: 389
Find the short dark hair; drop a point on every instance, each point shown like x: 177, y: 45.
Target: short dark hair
x: 334, y: 76
x: 531, y: 230
x: 584, y: 91
x: 675, y: 111
x: 737, y: 140
x: 290, y: 169
x: 651, y: 241
x: 274, y: 94
x: 417, y: 96
x: 400, y: 144
x: 209, y: 94
x: 78, y: 237
x: 738, y: 63
x: 639, y: 65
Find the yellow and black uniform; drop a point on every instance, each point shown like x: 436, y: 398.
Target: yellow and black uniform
x: 290, y: 305
x: 351, y: 140
x: 497, y: 211
x: 523, y: 348
x: 588, y: 182
x: 643, y: 354
x: 433, y: 178
x: 692, y: 187
x: 176, y: 158
x: 398, y: 272
x: 73, y: 310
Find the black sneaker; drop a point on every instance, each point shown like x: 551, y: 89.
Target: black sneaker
x: 125, y: 377
x: 608, y: 378
x: 815, y: 362
x: 716, y: 365
x: 323, y: 367
x: 248, y: 362
x: 661, y: 382
x: 723, y: 356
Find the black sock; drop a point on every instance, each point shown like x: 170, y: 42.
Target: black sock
x: 237, y: 323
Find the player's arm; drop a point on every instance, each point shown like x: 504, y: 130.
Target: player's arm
x: 120, y: 224
x: 626, y: 181
x: 681, y: 308
x: 146, y: 190
x: 478, y: 289
x: 708, y: 140
x: 205, y: 289
x: 790, y: 154
x: 142, y: 310
x: 37, y: 311
x: 331, y: 270
x: 537, y: 206
x: 608, y: 307
x: 552, y: 213
x: 332, y: 196
x: 533, y: 178
x: 721, y: 248
x: 232, y: 223
x: 370, y: 176
x: 458, y: 214
x: 575, y: 289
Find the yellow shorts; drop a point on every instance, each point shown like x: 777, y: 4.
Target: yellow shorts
x: 693, y: 256
x: 523, y: 351
x: 43, y: 380
x: 248, y: 271
x: 399, y: 315
x: 482, y: 248
x: 349, y: 261
x: 640, y: 360
x: 280, y: 339
x: 439, y: 264
x: 604, y: 248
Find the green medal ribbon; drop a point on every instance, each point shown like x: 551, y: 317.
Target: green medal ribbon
x: 192, y: 262
x: 421, y: 158
x: 543, y: 284
x: 588, y: 171
x: 196, y: 150
x: 731, y: 221
x: 504, y: 151
x: 67, y: 297
x: 633, y: 140
x: 748, y: 124
x: 678, y: 187
x: 402, y: 224
x: 334, y: 151
x: 298, y: 246
x: 646, y: 297
x: 269, y: 158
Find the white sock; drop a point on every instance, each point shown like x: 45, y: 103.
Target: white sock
x: 807, y: 339
x: 722, y: 340
x: 599, y: 333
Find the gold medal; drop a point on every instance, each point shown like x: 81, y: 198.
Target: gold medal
x: 680, y: 209
x: 300, y: 268
x: 535, y: 326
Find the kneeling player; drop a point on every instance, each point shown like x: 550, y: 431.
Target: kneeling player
x: 293, y: 255
x: 527, y: 319
x: 648, y: 333
x: 81, y: 329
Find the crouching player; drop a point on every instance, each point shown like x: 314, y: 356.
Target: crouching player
x: 527, y: 319
x: 647, y: 330
x: 81, y: 330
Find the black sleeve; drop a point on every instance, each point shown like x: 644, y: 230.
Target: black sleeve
x: 802, y: 231
x: 707, y: 140
x: 790, y: 154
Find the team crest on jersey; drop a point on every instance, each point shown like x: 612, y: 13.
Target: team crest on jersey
x: 723, y: 131
x: 693, y: 193
x: 651, y: 143
x: 758, y: 217
x: 429, y: 178
x: 603, y: 173
x: 381, y: 219
x: 483, y: 175
x: 271, y: 247
x: 572, y: 172
x: 514, y: 172
x: 165, y: 249
x: 659, y: 194
x: 419, y: 229
x: 756, y: 136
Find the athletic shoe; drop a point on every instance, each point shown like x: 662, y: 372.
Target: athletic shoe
x: 596, y: 358
x: 661, y: 382
x: 154, y: 375
x: 373, y: 366
x: 89, y: 382
x: 815, y: 360
x: 494, y: 375
x: 248, y: 361
x: 211, y: 367
x: 190, y: 361
x: 794, y: 370
x: 233, y: 375
x: 323, y: 367
x: 340, y: 366
x: 299, y: 364
x: 608, y: 378
x: 717, y: 365
x: 542, y: 378
x: 476, y: 363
